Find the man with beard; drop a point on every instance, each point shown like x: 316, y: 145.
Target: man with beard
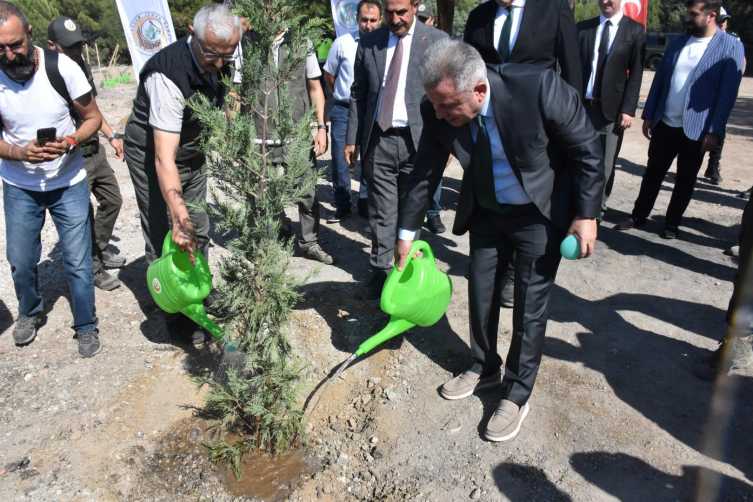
x: 64, y: 36
x: 45, y: 177
x: 385, y: 121
x: 686, y: 112
x: 163, y: 141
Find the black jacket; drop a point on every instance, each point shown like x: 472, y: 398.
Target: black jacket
x: 547, y: 36
x: 623, y: 70
x: 562, y: 186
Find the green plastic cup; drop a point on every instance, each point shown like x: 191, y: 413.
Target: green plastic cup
x: 126, y: 79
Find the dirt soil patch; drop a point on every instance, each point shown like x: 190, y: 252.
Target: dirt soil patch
x: 616, y: 413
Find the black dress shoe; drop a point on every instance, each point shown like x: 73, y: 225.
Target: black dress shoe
x: 508, y: 293
x: 745, y: 195
x: 669, y: 233
x: 184, y: 331
x: 435, y: 225
x: 340, y: 214
x: 375, y: 285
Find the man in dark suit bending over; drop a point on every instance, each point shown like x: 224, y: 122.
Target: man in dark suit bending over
x: 498, y: 122
x: 537, y: 32
x: 612, y: 48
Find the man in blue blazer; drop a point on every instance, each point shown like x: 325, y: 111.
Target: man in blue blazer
x: 691, y: 97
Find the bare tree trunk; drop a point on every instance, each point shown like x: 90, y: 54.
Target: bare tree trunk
x: 445, y: 15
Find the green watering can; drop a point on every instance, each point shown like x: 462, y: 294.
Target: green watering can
x: 178, y: 286
x: 417, y: 295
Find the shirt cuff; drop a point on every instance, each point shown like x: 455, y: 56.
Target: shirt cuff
x: 406, y: 235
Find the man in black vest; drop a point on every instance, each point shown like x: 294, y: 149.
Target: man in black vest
x: 64, y: 35
x: 612, y: 49
x: 163, y: 136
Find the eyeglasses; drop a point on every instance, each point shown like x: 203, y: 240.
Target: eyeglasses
x: 16, y: 48
x: 213, y: 56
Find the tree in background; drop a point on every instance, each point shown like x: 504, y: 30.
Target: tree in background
x: 260, y: 406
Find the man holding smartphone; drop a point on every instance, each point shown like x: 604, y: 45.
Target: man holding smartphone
x: 64, y: 36
x: 50, y: 177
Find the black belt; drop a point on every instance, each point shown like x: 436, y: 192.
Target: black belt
x: 344, y: 104
x: 394, y: 131
x: 513, y: 210
x: 592, y: 102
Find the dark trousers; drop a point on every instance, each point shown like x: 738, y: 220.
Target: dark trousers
x: 715, y: 155
x: 308, y: 213
x: 340, y: 168
x: 535, y: 240
x: 668, y: 143
x: 155, y: 216
x: 746, y: 249
x: 104, y: 186
x: 434, y: 206
x: 388, y: 164
x: 611, y: 142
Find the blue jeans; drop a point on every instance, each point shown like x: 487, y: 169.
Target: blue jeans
x: 434, y: 207
x: 340, y: 168
x: 24, y: 218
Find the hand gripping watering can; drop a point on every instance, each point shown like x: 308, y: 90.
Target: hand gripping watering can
x: 417, y: 295
x: 178, y: 286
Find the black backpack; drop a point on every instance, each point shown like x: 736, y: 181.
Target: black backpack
x: 90, y: 146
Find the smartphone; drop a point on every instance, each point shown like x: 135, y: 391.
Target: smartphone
x: 46, y: 135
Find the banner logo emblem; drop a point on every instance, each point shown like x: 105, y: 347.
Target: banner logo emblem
x: 347, y: 14
x: 150, y: 32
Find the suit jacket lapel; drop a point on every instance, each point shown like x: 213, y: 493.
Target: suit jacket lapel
x: 619, y: 36
x: 489, y: 27
x: 592, y: 43
x: 704, y: 62
x: 380, y: 54
x: 416, y: 50
x: 504, y: 118
x: 528, y: 24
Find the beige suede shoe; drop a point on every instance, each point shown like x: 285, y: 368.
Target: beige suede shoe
x: 506, y: 421
x: 467, y: 382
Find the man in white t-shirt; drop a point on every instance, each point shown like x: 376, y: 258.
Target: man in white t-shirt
x: 686, y: 112
x: 47, y: 177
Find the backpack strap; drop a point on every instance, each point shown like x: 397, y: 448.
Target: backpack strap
x: 58, y: 83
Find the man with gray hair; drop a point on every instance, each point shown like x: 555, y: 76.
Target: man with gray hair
x: 498, y: 121
x: 163, y: 140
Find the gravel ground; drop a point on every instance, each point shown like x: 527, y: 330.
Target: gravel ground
x: 616, y: 413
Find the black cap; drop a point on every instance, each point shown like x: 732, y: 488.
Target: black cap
x: 425, y: 11
x: 64, y: 31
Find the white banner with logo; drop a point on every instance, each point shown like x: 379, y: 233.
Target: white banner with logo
x: 345, y: 15
x: 148, y: 28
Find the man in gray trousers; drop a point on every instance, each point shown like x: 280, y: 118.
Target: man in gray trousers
x: 385, y: 121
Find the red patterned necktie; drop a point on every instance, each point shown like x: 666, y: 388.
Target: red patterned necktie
x: 390, y: 88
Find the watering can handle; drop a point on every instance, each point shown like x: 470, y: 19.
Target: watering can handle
x: 424, y: 247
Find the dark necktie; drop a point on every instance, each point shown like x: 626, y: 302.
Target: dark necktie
x: 603, y: 46
x: 504, y: 37
x: 390, y: 87
x: 483, y: 167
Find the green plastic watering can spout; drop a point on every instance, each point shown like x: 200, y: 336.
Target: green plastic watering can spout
x: 197, y: 314
x: 393, y: 328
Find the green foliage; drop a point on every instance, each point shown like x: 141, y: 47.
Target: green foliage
x: 39, y: 13
x: 260, y: 405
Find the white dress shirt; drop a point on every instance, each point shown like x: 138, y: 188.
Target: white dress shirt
x: 342, y: 56
x: 399, y: 111
x: 687, y: 61
x: 506, y: 185
x: 499, y: 21
x: 615, y: 20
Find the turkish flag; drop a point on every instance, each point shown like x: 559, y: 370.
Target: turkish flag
x: 636, y: 9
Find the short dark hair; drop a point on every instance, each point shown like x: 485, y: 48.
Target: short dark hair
x: 8, y: 9
x: 369, y: 2
x: 709, y: 6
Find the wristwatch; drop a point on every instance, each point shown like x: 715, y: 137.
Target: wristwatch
x: 114, y: 136
x: 323, y: 126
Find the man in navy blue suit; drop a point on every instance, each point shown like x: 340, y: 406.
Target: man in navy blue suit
x: 691, y: 98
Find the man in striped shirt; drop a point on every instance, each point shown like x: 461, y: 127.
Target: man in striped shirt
x: 686, y: 112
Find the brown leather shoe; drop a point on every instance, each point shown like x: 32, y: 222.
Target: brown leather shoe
x: 469, y: 381
x: 506, y: 421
